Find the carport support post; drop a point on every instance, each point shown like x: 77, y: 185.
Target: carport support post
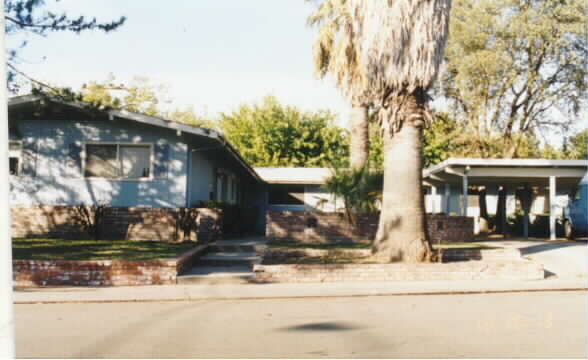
x: 552, y: 192
x: 7, y: 348
x: 526, y: 199
x: 447, y: 199
x: 464, y: 181
x: 433, y: 199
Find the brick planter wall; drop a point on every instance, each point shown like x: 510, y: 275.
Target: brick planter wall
x: 481, y: 254
x: 27, y: 273
x: 119, y: 223
x: 317, y: 227
x: 444, y: 229
x: 471, y: 270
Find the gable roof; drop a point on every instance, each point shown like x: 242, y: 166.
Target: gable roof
x: 31, y: 99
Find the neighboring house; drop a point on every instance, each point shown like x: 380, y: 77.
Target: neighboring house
x: 538, y: 186
x: 69, y: 153
x: 298, y: 189
x: 533, y: 186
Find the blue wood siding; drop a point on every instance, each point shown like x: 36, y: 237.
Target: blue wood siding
x: 53, y: 175
x: 202, y: 178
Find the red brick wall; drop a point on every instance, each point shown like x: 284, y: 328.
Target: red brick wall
x: 443, y: 228
x: 317, y: 227
x: 50, y: 221
x: 118, y: 223
x: 93, y: 273
x: 470, y: 270
x: 28, y: 273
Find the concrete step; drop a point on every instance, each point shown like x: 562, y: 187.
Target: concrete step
x: 229, y: 259
x: 239, y: 245
x: 237, y: 274
x: 247, y: 248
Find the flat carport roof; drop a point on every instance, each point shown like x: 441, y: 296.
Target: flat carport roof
x: 508, y: 172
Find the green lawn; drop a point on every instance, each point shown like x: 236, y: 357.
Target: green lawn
x: 60, y: 249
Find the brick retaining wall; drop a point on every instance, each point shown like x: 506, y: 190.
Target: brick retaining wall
x: 119, y: 223
x: 447, y: 229
x: 317, y: 227
x: 470, y: 270
x: 27, y: 273
x: 272, y: 256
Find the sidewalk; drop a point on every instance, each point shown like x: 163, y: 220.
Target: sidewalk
x: 267, y: 291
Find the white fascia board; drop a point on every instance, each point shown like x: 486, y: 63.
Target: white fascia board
x: 504, y: 163
x: 527, y: 172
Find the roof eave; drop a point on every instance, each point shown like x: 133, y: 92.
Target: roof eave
x: 145, y: 119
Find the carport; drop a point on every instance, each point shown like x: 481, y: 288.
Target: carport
x: 559, y: 177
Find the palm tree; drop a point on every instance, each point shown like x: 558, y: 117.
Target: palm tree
x: 335, y: 54
x: 399, y: 46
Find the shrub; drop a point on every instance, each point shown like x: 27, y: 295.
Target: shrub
x: 90, y: 218
x: 360, y: 190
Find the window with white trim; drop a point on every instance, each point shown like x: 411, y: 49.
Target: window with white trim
x: 118, y: 161
x: 14, y: 157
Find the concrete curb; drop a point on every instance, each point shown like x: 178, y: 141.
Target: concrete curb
x: 295, y: 297
x: 177, y: 293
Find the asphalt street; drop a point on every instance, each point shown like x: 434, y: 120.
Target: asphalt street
x: 539, y: 324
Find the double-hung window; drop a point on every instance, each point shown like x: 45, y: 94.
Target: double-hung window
x: 14, y: 157
x: 118, y: 161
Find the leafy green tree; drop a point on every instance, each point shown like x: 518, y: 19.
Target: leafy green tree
x: 30, y: 16
x: 576, y: 148
x: 510, y: 63
x: 139, y: 96
x: 189, y: 116
x: 438, y: 140
x: 271, y: 134
x: 399, y: 51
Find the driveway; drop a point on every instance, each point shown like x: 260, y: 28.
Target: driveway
x: 561, y: 258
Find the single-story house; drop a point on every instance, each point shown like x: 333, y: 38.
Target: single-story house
x: 67, y: 153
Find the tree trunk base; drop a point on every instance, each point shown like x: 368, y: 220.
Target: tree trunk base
x: 386, y: 249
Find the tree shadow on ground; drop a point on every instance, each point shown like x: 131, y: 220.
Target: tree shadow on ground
x: 534, y: 249
x: 322, y: 326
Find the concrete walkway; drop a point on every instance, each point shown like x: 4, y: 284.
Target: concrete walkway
x: 264, y: 291
x: 561, y: 258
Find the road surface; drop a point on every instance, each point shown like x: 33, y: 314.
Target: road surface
x: 540, y: 324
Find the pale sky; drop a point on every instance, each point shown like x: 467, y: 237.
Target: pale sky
x: 211, y: 54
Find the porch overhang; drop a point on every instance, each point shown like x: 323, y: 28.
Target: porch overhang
x: 482, y: 172
x: 524, y: 173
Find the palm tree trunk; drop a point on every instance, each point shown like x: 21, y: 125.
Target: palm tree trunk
x: 359, y: 144
x: 402, y: 235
